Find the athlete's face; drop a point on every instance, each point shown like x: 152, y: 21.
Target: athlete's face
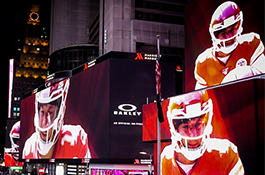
x: 47, y: 115
x: 192, y: 128
x: 227, y: 33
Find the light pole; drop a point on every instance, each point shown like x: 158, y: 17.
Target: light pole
x: 151, y: 159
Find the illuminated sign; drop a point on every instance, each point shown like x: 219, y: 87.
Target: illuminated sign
x: 34, y: 16
x: 16, y: 168
x: 127, y: 110
x: 89, y: 64
x: 10, y: 86
x: 139, y: 56
x: 150, y: 56
x: 146, y: 56
x: 34, y: 91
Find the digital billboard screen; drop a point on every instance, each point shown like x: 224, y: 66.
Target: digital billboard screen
x: 12, y: 143
x: 224, y: 41
x: 213, y: 131
x: 95, y: 114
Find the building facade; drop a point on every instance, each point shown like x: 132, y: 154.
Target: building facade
x: 32, y: 65
x: 70, y: 45
x: 132, y: 26
x: 116, y: 25
x: 72, y: 56
x: 69, y: 22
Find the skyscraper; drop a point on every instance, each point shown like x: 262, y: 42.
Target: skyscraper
x: 69, y: 42
x: 132, y: 26
x: 32, y: 65
x: 118, y: 25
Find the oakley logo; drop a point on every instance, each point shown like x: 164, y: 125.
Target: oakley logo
x: 127, y: 110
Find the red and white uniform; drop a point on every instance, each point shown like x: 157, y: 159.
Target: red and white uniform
x: 211, y: 71
x: 72, y: 143
x: 10, y: 161
x: 220, y: 158
x: 9, y: 158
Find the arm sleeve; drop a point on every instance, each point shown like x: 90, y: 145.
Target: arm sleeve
x: 257, y: 59
x: 200, y: 82
x: 235, y: 167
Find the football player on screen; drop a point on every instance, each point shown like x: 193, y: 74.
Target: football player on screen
x: 53, y: 139
x: 233, y: 56
x: 12, y: 159
x: 192, y: 151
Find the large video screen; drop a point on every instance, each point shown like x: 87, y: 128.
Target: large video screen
x: 94, y: 114
x: 11, y: 156
x: 214, y: 131
x: 224, y: 41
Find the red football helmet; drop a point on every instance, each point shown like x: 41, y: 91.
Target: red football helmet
x: 189, y: 117
x: 14, y: 138
x: 15, y: 135
x: 226, y: 20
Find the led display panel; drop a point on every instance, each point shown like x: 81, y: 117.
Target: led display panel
x: 217, y: 130
x: 12, y: 143
x: 95, y: 114
x: 118, y: 172
x: 224, y: 41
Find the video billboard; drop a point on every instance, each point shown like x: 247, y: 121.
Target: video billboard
x: 213, y: 131
x: 224, y: 41
x: 12, y: 143
x: 94, y: 114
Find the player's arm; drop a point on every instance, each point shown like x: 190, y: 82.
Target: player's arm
x: 235, y: 166
x: 237, y: 169
x: 84, y: 151
x: 257, y: 60
x: 200, y: 82
x: 26, y: 150
x: 30, y: 148
x: 166, y: 160
x: 259, y: 64
x: 199, y: 72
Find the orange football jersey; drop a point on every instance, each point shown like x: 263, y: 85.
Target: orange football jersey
x: 210, y: 71
x: 72, y: 143
x: 220, y: 158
